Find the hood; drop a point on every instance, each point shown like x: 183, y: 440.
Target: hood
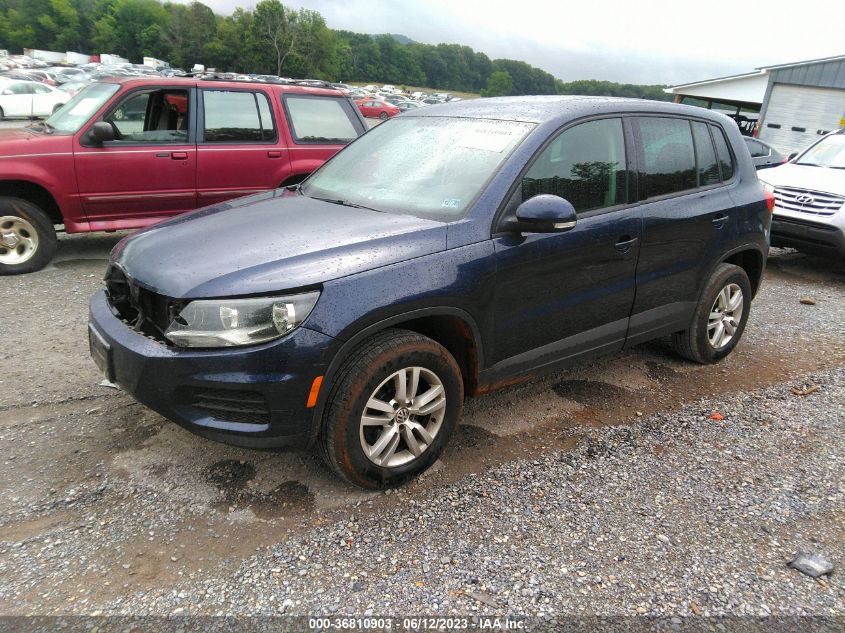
x: 823, y: 179
x: 19, y: 142
x: 273, y: 242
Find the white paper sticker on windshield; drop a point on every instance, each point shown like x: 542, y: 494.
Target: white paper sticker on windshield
x: 491, y: 136
x: 85, y: 106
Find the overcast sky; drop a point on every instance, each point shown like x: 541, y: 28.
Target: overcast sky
x: 631, y: 41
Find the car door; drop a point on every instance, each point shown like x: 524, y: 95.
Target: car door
x: 148, y: 171
x: 16, y: 99
x: 44, y: 99
x: 688, y: 219
x: 238, y: 149
x: 558, y: 295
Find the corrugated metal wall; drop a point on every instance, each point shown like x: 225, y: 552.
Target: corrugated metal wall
x: 824, y: 75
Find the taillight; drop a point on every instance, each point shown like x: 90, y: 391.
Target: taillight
x: 769, y: 193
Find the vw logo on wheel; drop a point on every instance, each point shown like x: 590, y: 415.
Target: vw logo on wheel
x: 805, y: 198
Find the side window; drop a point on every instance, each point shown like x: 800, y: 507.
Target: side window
x: 726, y: 161
x: 19, y: 89
x: 156, y: 116
x: 320, y: 120
x: 669, y: 155
x: 705, y: 155
x: 757, y: 149
x: 585, y: 164
x: 237, y: 117
x: 40, y: 89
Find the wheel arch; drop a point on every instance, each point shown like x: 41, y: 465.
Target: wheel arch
x: 36, y: 194
x: 752, y: 261
x: 453, y: 328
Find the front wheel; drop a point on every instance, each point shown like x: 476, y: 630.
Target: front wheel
x: 720, y: 317
x: 391, y: 411
x: 27, y: 237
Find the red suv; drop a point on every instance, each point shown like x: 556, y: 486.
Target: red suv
x: 124, y: 154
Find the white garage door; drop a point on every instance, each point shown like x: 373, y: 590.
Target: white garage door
x: 798, y: 115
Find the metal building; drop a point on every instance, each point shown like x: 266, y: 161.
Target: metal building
x: 801, y: 101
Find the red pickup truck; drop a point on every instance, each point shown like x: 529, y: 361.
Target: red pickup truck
x: 126, y: 153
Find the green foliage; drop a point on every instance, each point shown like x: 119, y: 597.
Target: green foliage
x: 499, y: 84
x: 276, y: 39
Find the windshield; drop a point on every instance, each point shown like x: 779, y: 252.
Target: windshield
x: 76, y: 112
x: 829, y: 152
x: 429, y: 167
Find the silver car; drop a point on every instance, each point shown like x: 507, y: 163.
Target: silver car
x: 809, y: 192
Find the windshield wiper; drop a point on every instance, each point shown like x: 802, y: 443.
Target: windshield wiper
x: 45, y: 127
x: 345, y: 203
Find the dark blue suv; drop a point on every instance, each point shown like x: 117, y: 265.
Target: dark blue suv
x: 445, y: 253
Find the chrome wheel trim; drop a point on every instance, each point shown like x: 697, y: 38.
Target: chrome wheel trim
x: 725, y: 316
x: 402, y: 417
x: 18, y: 240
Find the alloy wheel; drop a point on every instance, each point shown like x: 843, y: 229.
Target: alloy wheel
x: 402, y: 417
x: 18, y: 240
x: 725, y: 316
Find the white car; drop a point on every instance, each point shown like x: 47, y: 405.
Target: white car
x: 29, y: 99
x: 809, y: 192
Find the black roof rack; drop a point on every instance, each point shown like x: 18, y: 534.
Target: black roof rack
x: 311, y: 83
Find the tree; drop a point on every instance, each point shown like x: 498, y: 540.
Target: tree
x: 499, y: 84
x: 278, y: 28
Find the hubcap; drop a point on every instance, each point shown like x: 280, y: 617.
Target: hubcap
x: 18, y: 240
x: 402, y: 417
x: 725, y: 316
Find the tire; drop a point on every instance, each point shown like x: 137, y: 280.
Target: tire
x: 27, y: 237
x: 704, y: 342
x: 383, y: 116
x: 369, y: 374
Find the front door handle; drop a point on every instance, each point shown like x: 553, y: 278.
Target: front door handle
x: 624, y: 243
x: 179, y: 155
x: 720, y: 220
x: 274, y: 154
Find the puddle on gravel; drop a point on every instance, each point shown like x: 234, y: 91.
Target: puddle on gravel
x: 469, y: 436
x: 290, y: 498
x: 230, y: 476
x: 235, y: 480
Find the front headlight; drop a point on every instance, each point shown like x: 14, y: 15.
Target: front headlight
x: 231, y: 322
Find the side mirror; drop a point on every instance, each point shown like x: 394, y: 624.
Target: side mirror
x: 545, y: 213
x: 7, y: 92
x: 101, y: 132
x: 791, y: 156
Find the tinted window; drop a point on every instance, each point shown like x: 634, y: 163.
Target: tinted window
x: 757, y: 149
x: 39, y: 89
x: 20, y: 89
x: 585, y: 164
x: 320, y: 120
x: 726, y: 161
x: 235, y: 117
x: 158, y: 116
x: 669, y: 155
x: 705, y: 155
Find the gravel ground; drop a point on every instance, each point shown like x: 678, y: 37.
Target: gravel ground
x: 605, y: 489
x: 678, y: 514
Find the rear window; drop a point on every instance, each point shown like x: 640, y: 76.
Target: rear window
x: 708, y: 168
x: 669, y: 155
x: 726, y: 161
x: 237, y: 117
x: 316, y: 119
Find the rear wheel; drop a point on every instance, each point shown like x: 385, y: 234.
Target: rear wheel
x: 383, y: 116
x: 27, y: 237
x: 720, y: 317
x: 392, y: 410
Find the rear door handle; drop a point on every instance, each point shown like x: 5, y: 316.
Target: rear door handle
x: 624, y: 243
x: 179, y: 155
x: 274, y: 154
x: 720, y: 220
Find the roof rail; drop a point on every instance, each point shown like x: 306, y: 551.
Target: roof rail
x: 311, y: 83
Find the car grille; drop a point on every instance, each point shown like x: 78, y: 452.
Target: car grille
x: 807, y: 201
x: 144, y: 311
x: 247, y: 407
